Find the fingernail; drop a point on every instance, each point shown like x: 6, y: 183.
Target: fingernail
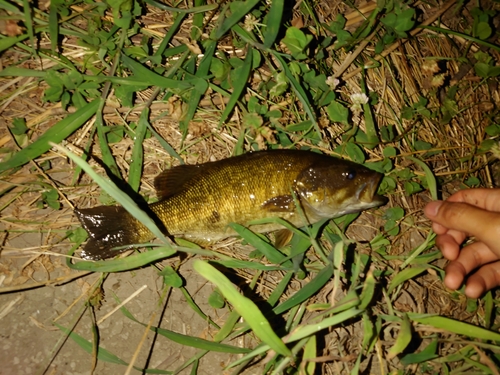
x: 432, y: 208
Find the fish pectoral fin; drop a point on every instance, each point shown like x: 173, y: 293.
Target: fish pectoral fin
x: 282, y: 238
x: 174, y: 180
x: 281, y: 203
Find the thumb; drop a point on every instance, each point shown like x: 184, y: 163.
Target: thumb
x: 468, y: 219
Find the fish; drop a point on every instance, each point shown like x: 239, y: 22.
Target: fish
x: 198, y: 202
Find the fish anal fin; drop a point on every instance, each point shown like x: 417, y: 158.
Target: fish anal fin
x: 281, y: 203
x: 174, y: 180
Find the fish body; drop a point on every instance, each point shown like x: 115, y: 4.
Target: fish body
x: 197, y: 202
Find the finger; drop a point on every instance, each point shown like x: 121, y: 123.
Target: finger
x: 471, y: 257
x: 486, y: 278
x: 488, y: 199
x: 459, y: 237
x: 448, y: 246
x: 463, y: 217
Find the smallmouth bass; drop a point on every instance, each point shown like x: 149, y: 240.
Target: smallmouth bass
x: 197, y: 202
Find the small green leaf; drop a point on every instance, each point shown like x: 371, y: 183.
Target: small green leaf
x: 216, y: 299
x: 18, y: 126
x: 297, y: 41
x: 394, y: 213
x: 355, y: 153
x: 389, y: 152
x: 171, y: 277
x: 338, y: 113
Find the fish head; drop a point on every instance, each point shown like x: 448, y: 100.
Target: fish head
x: 337, y: 188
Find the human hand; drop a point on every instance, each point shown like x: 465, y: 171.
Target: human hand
x: 469, y: 213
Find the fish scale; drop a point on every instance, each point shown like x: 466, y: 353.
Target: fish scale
x: 198, y: 202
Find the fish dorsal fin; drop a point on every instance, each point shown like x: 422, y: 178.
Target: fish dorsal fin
x: 175, y: 180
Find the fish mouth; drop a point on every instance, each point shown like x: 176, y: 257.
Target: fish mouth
x: 368, y: 193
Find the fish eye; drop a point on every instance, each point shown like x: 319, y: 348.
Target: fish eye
x: 350, y: 175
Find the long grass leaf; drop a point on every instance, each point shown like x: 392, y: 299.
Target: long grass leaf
x: 170, y: 150
x: 102, y: 354
x: 201, y: 86
x: 244, y: 306
x: 199, y: 9
x: 429, y: 176
x: 299, y: 91
x: 273, y: 22
x: 273, y: 255
x: 57, y: 133
x: 307, y: 291
x: 124, y: 264
x: 456, y: 326
x: 9, y: 41
x: 404, y: 275
x: 307, y: 330
x: 194, y: 342
x: 245, y: 264
x: 168, y: 37
x: 150, y: 78
x: 235, y: 17
x: 28, y: 22
x: 239, y: 81
x: 53, y: 26
x: 135, y: 171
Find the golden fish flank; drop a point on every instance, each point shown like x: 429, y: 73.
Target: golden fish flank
x: 197, y: 202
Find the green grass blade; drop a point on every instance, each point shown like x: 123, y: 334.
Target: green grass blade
x: 194, y: 306
x: 28, y: 22
x: 107, y: 156
x: 422, y: 247
x: 429, y: 176
x: 201, y: 86
x: 456, y: 326
x: 9, y: 7
x: 194, y: 342
x: 53, y: 26
x: 273, y: 22
x: 307, y: 291
x: 241, y: 75
x: 170, y: 150
x: 119, y: 196
x: 404, y: 275
x: 199, y: 9
x: 280, y: 289
x: 244, y: 306
x: 245, y: 264
x: 299, y: 91
x: 9, y: 41
x: 273, y: 255
x: 124, y: 264
x: 310, y: 329
x: 150, y: 78
x: 168, y: 37
x: 240, y: 12
x: 57, y: 133
x: 135, y: 172
x: 102, y: 354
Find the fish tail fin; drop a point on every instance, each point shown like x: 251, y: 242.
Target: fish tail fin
x: 108, y: 227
